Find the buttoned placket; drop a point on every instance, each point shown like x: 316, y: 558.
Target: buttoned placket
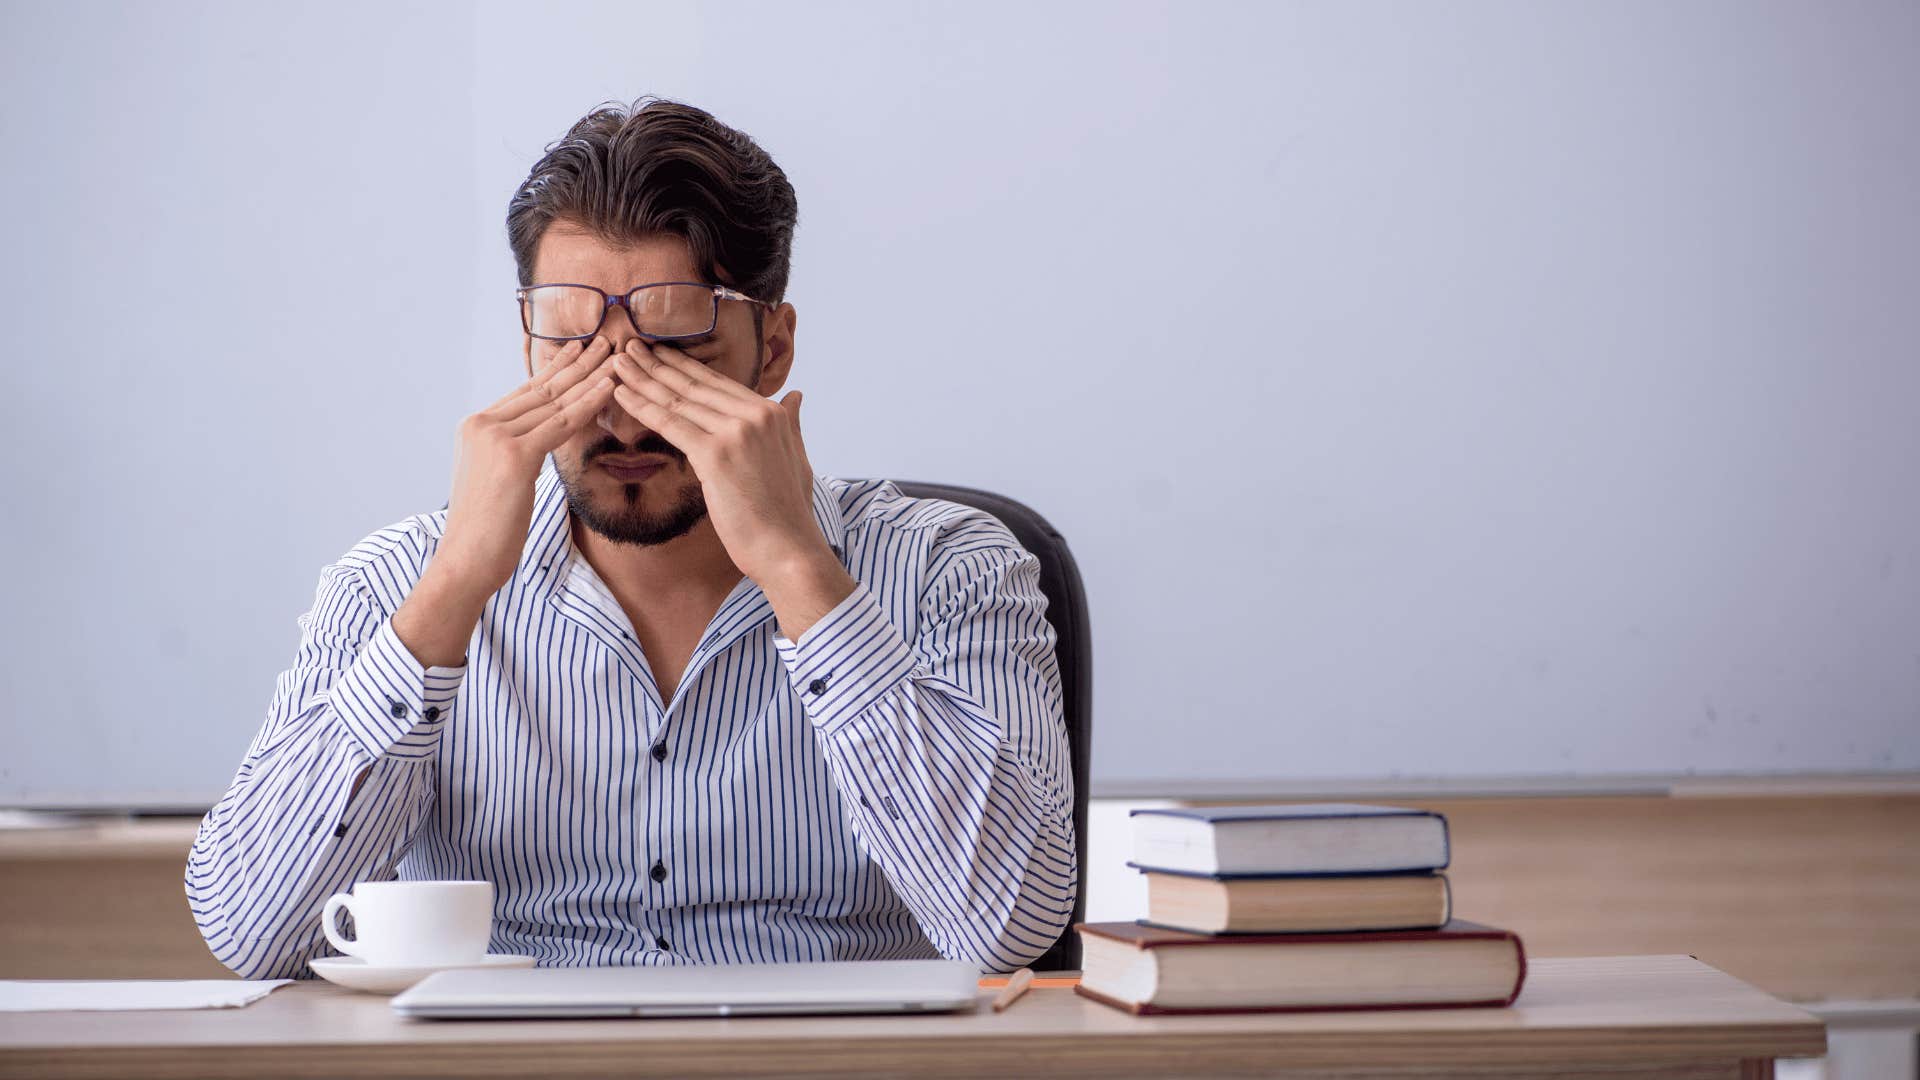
x: 578, y: 594
x: 583, y: 598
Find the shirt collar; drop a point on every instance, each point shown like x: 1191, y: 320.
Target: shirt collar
x: 550, y: 534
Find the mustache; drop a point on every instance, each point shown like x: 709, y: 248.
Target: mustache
x: 653, y: 443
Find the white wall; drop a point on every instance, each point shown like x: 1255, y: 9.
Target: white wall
x: 1460, y: 390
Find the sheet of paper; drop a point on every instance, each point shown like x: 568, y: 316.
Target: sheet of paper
x: 40, y: 995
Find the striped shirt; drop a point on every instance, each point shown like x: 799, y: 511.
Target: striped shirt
x: 894, y: 784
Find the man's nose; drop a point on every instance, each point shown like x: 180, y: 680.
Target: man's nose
x: 617, y: 422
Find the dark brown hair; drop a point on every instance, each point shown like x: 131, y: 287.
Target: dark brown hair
x: 658, y: 166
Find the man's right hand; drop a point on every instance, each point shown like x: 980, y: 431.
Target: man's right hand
x: 499, y: 456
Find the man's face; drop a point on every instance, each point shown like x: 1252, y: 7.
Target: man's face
x: 664, y: 505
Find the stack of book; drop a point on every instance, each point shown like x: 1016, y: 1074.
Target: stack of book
x: 1296, y: 907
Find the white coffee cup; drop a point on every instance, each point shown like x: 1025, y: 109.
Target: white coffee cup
x: 413, y: 923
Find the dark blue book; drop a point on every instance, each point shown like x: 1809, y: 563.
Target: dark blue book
x: 1289, y: 839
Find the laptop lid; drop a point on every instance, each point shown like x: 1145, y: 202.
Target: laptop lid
x: 838, y: 986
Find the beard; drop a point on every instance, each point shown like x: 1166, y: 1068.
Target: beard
x: 622, y: 517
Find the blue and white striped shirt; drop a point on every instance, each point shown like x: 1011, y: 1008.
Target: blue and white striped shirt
x: 894, y: 784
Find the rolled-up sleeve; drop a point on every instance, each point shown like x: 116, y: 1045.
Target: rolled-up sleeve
x: 950, y: 743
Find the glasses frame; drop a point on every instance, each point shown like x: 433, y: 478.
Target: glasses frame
x: 624, y: 300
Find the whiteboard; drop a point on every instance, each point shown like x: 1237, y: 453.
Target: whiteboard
x: 1468, y: 390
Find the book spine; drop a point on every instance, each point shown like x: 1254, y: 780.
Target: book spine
x: 1244, y: 934
x: 1401, y: 871
x: 1140, y: 1009
x: 1320, y: 938
x: 1520, y: 979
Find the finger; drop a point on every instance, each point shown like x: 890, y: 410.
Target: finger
x: 541, y: 413
x: 648, y: 385
x: 684, y: 373
x: 673, y: 427
x: 667, y: 401
x: 556, y: 378
x: 638, y: 368
x: 565, y: 419
x: 652, y: 361
x: 567, y: 353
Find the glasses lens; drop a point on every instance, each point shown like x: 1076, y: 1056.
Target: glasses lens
x: 562, y: 311
x: 673, y: 310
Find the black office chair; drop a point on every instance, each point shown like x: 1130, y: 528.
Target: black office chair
x: 1073, y: 648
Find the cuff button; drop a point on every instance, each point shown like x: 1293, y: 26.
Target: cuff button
x: 398, y: 710
x: 433, y: 712
x: 817, y: 686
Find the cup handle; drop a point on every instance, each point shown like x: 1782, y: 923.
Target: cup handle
x: 327, y: 915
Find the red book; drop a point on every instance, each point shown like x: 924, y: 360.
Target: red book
x: 1151, y: 969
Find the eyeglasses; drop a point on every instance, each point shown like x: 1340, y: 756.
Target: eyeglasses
x: 661, y: 310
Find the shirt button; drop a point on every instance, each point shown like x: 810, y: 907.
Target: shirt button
x: 398, y: 710
x: 659, y: 872
x: 433, y: 712
x: 817, y: 686
x: 659, y: 942
x: 660, y: 751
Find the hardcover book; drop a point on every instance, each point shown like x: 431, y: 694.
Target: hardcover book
x: 1302, y: 838
x: 1145, y: 969
x: 1290, y: 903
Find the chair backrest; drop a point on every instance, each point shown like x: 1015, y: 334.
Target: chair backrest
x: 1073, y: 649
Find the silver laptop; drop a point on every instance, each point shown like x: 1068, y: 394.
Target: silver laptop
x: 839, y: 986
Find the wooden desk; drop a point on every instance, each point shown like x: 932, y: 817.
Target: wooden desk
x: 1616, y: 1016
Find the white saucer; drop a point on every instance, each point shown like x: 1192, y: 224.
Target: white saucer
x: 357, y: 974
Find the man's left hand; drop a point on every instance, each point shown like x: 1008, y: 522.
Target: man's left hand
x: 753, y: 469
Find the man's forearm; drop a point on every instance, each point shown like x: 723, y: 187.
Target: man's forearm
x: 802, y: 595
x: 950, y: 745
x: 436, y: 620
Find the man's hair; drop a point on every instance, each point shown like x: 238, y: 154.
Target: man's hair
x: 626, y: 173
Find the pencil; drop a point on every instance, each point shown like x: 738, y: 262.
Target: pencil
x: 1016, y: 986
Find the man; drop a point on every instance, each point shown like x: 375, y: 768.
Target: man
x: 678, y: 698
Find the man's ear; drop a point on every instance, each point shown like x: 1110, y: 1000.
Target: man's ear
x: 776, y: 344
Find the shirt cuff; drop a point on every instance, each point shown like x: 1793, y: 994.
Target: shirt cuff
x: 847, y: 661
x: 390, y: 704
